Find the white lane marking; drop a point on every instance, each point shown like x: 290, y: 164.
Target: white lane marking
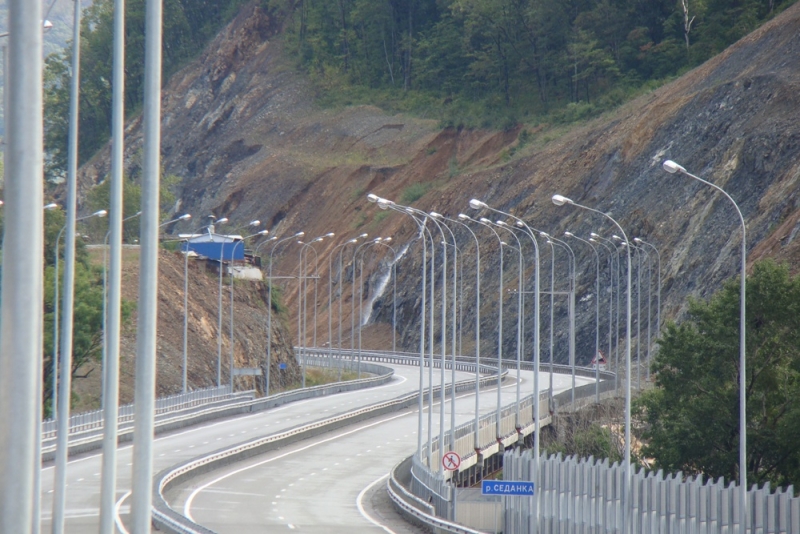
x: 363, y: 512
x: 117, y: 518
x: 187, y: 507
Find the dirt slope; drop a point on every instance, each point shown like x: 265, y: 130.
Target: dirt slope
x: 250, y: 320
x: 241, y: 129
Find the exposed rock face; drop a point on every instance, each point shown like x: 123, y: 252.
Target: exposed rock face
x: 241, y: 130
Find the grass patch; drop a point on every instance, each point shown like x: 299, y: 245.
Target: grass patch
x: 414, y: 192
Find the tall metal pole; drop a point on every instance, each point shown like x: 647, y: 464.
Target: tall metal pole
x: 388, y: 204
x: 462, y: 217
x: 596, y: 316
x: 610, y: 293
x: 499, y: 331
x: 672, y: 167
x: 626, y: 501
x: 111, y: 334
x: 21, y: 309
x: 658, y: 296
x: 59, y: 494
x: 619, y: 290
x: 148, y: 278
x: 572, y: 276
x: 269, y: 309
x: 185, y: 319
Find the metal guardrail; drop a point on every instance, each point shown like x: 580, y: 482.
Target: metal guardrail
x: 81, y: 422
x: 432, y: 485
x: 172, y: 521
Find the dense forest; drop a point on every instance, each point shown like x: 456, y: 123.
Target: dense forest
x: 188, y: 26
x: 485, y: 63
x: 517, y: 59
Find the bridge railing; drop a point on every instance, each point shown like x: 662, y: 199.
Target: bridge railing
x: 82, y: 422
x: 585, y: 495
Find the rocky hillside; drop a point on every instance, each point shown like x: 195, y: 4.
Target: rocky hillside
x: 250, y: 320
x: 241, y: 129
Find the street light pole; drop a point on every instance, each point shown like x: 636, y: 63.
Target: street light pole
x: 113, y: 319
x: 232, y: 365
x: 658, y: 299
x: 610, y: 293
x: 520, y: 317
x: 613, y: 247
x: 560, y: 200
x: 672, y: 168
x: 212, y: 229
x: 571, y: 307
x: 20, y: 341
x: 330, y: 298
x: 269, y: 309
x: 59, y: 495
x: 499, y: 328
x: 387, y: 204
x: 65, y: 385
x: 597, y: 316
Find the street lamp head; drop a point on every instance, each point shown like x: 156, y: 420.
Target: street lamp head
x: 47, y: 25
x: 549, y: 242
x: 637, y: 240
x: 222, y: 220
x: 484, y: 220
x: 594, y: 235
x: 263, y: 232
x: 501, y: 223
x: 477, y: 204
x: 569, y: 234
x: 383, y: 204
x: 593, y: 240
x: 615, y: 236
x: 254, y: 223
x: 273, y: 238
x: 463, y: 217
x: 362, y: 236
x: 101, y: 213
x: 317, y: 240
x: 544, y: 235
x: 504, y: 243
x: 354, y: 240
x: 560, y: 200
x: 520, y: 224
x: 373, y: 198
x: 435, y: 215
x: 387, y: 239
x: 329, y: 234
x: 50, y: 206
x: 672, y: 167
x: 185, y: 217
x: 299, y: 234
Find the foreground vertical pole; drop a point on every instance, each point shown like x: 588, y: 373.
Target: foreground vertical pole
x: 21, y: 316
x: 148, y: 278
x: 65, y: 374
x: 111, y: 369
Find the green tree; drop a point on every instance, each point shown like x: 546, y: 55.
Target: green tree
x: 692, y: 417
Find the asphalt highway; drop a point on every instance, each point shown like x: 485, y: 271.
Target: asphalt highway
x: 83, y: 473
x: 320, y: 485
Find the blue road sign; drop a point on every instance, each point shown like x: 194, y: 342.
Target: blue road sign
x: 503, y: 487
x: 281, y: 365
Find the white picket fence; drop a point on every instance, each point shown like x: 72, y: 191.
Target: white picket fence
x: 580, y: 496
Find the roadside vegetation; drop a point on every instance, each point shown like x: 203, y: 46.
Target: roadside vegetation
x: 498, y: 63
x: 470, y: 63
x: 691, y: 418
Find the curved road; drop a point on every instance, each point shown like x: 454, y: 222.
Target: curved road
x: 83, y: 473
x: 319, y: 485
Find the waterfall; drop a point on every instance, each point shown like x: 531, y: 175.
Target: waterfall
x: 383, y: 281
